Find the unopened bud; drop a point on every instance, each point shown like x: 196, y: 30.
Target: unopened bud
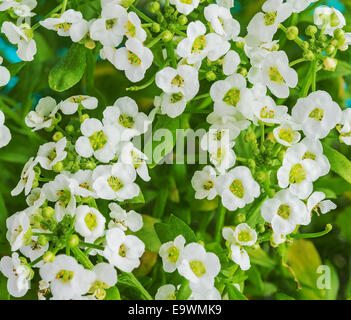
x: 57, y: 136
x: 292, y: 33
x: 330, y: 64
x: 211, y: 76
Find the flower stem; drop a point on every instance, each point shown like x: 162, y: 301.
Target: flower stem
x: 154, y: 41
x: 296, y: 61
x: 64, y: 5
x: 141, y: 14
x: 220, y: 220
x: 297, y: 236
x: 58, y: 8
x: 91, y: 245
x: 82, y: 258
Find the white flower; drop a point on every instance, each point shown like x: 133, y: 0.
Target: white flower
x: 230, y: 95
x: 84, y: 183
x: 106, y: 277
x: 300, y: 5
x: 265, y: 24
x: 276, y: 74
x: 284, y: 212
x: 125, y: 116
x: 225, y: 3
x: 231, y: 62
x: 21, y: 8
x: 232, y: 121
x: 133, y: 28
x: 209, y: 294
x: 124, y: 220
x: 166, y: 292
x: 115, y: 182
x: 172, y: 104
x: 328, y: 19
x: 70, y: 105
x: 90, y: 223
x: 198, y: 46
x: 123, y: 251
x: 347, y: 42
x: 345, y: 128
x: 34, y: 250
x: 51, y: 153
x: 240, y: 257
x: 199, y: 267
x: 67, y: 278
x: 17, y: 227
x: 242, y: 235
x: 134, y: 59
x: 69, y: 24
x: 109, y: 28
x: 36, y: 198
x: 277, y: 239
x: 222, y: 21
x: 27, y: 178
x: 61, y: 190
x: 219, y: 135
x: 203, y: 183
x: 316, y: 203
x: 18, y: 275
x: 98, y: 140
x: 287, y: 134
x: 22, y: 37
x: 185, y: 6
x: 171, y: 253
x: 317, y: 114
x: 5, y: 134
x: 223, y: 157
x: 237, y: 188
x: 183, y: 80
x: 4, y: 75
x: 268, y: 112
x: 133, y: 156
x: 43, y: 115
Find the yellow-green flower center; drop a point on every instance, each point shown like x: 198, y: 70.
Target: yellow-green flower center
x: 237, y: 188
x: 52, y: 155
x: 91, y: 221
x: 177, y: 81
x: 133, y: 59
x: 126, y: 121
x: 65, y: 26
x: 269, y: 18
x: 266, y: 113
x: 176, y: 97
x: 98, y: 140
x: 274, y: 75
x: 186, y: 1
x: 232, y: 97
x: 317, y: 114
x: 284, y: 211
x: 173, y: 254
x: 130, y: 29
x: 115, y: 183
x: 65, y: 275
x: 197, y: 267
x: 309, y: 155
x: 98, y: 289
x: 286, y: 135
x: 208, y: 185
x: 199, y: 45
x: 64, y: 197
x: 110, y: 23
x: 122, y: 250
x: 297, y: 173
x: 244, y: 236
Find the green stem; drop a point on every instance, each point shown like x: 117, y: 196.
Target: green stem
x: 58, y: 8
x: 33, y: 263
x: 184, y: 291
x: 91, y: 245
x: 220, y: 220
x: 314, y: 75
x: 154, y: 41
x: 141, y: 14
x: 296, y: 61
x: 64, y: 5
x: 262, y: 137
x: 82, y: 258
x: 143, y: 86
x: 297, y: 236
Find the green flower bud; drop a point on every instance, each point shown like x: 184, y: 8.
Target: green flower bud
x: 211, y: 76
x: 311, y: 30
x: 305, y: 45
x: 334, y: 20
x: 281, y: 155
x: 73, y: 241
x: 48, y: 212
x: 126, y: 3
x: 154, y: 6
x: 251, y: 163
x: 90, y: 165
x: 323, y: 38
x: 57, y: 136
x: 167, y: 36
x: 169, y: 10
x: 261, y: 176
x: 90, y: 44
x: 70, y: 128
x: 42, y: 240
x: 58, y: 167
x: 260, y: 228
x: 250, y: 136
x: 292, y: 33
x: 339, y: 33
x: 330, y: 49
x: 242, y: 71
x: 341, y: 42
x: 156, y: 27
x: 172, y: 27
x: 183, y: 20
x: 330, y: 64
x: 83, y: 117
x: 240, y: 218
x: 309, y: 55
x: 48, y: 257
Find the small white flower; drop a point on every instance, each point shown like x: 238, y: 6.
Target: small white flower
x: 133, y: 28
x: 70, y: 105
x: 4, y: 75
x: 22, y: 37
x: 183, y: 80
x: 277, y: 239
x: 198, y: 46
x: 316, y: 203
x: 222, y: 21
x: 5, y: 134
x: 185, y: 6
x: 34, y: 250
x: 98, y: 140
x: 22, y: 8
x: 171, y: 253
x: 235, y: 120
x: 27, y: 178
x: 237, y: 188
x: 223, y: 157
x: 284, y: 212
x: 265, y: 24
x: 300, y: 5
x: 317, y: 114
x: 51, y: 153
x: 106, y: 277
x: 166, y: 292
x: 36, y: 198
x: 199, y: 267
x: 322, y: 19
x: 267, y: 111
x: 90, y: 223
x: 133, y: 156
x: 84, y: 183
x: 209, y: 294
x: 115, y: 182
x: 172, y: 104
x: 18, y: 275
x: 67, y: 278
x: 240, y: 257
x: 17, y: 227
x: 287, y: 134
x: 125, y: 116
x: 345, y: 128
x: 134, y: 59
x: 109, y: 28
x: 61, y: 191
x: 219, y: 135
x: 203, y: 183
x: 231, y: 62
x: 242, y: 235
x: 276, y: 74
x: 124, y: 220
x: 43, y: 115
x: 123, y: 251
x: 225, y: 3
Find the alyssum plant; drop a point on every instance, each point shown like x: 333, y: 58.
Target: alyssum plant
x: 76, y: 236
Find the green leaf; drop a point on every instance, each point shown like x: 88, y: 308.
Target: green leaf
x: 255, y: 277
x: 173, y: 228
x: 338, y: 162
x: 343, y: 221
x: 254, y: 216
x: 129, y: 280
x: 112, y: 294
x: 148, y: 235
x: 234, y: 293
x: 260, y: 257
x: 69, y: 70
x: 3, y: 217
x: 14, y: 68
x: 283, y: 296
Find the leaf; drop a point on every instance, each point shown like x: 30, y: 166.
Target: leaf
x: 343, y: 221
x: 260, y: 257
x: 112, y: 294
x: 3, y: 217
x: 255, y: 277
x: 283, y: 296
x: 234, y: 293
x: 69, y: 70
x: 254, y: 216
x: 173, y: 228
x: 129, y: 280
x: 338, y: 162
x: 148, y: 235
x: 14, y: 68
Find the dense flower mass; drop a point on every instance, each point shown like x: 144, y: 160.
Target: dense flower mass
x: 82, y: 234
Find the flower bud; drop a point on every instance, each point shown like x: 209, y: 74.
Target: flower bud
x: 250, y: 136
x: 292, y: 33
x: 281, y: 155
x: 251, y: 164
x: 211, y: 76
x: 183, y: 20
x: 83, y: 117
x: 311, y: 30
x: 261, y: 176
x: 167, y: 36
x: 156, y: 27
x: 330, y: 49
x: 73, y: 241
x: 169, y: 10
x: 58, y: 167
x: 90, y: 44
x: 42, y: 240
x: 260, y: 228
x: 154, y: 6
x: 70, y: 128
x: 240, y: 218
x: 57, y: 136
x: 339, y: 33
x: 330, y: 64
x: 242, y: 71
x: 90, y: 165
x: 48, y: 257
x: 309, y: 55
x: 48, y: 212
x: 126, y: 3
